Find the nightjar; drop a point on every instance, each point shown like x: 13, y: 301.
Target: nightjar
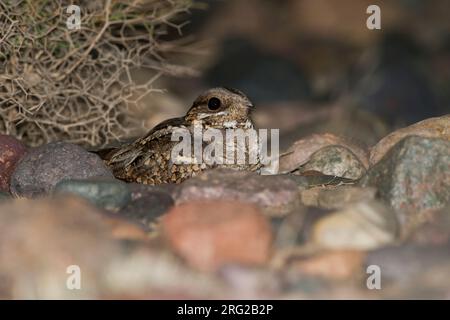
x: 149, y: 160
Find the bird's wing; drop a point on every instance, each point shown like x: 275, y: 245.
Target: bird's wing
x: 124, y: 156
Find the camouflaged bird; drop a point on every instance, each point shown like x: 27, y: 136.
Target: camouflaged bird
x: 148, y: 159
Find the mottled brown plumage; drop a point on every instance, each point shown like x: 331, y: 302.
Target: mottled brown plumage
x: 148, y: 159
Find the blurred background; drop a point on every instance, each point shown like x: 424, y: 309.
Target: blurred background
x: 313, y: 65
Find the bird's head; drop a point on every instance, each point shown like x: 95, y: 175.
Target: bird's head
x: 220, y: 107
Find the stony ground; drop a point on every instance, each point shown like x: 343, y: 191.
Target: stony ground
x: 316, y: 231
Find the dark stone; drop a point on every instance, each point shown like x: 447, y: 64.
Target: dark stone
x: 148, y: 207
x: 38, y: 172
x: 110, y: 194
x: 263, y: 76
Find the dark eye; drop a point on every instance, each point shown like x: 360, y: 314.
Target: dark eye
x: 214, y: 104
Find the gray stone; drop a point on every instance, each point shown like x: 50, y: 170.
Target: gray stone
x: 336, y: 161
x: 110, y: 194
x: 38, y: 172
x: 11, y: 150
x: 363, y: 225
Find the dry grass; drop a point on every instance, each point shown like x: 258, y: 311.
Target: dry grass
x: 76, y: 85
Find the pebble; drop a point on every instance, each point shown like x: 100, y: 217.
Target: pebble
x: 11, y: 150
x: 110, y: 194
x: 362, y: 226
x: 38, y: 172
x: 277, y: 195
x: 209, y: 235
x: 438, y: 127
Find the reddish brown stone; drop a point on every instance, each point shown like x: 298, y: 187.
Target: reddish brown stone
x: 211, y: 234
x: 11, y: 150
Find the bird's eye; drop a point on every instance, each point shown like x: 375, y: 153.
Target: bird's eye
x: 214, y: 104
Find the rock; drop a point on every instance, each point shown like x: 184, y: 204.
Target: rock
x: 110, y: 194
x: 11, y: 150
x: 332, y: 265
x: 414, y: 175
x: 276, y: 195
x: 362, y: 226
x: 434, y: 231
x: 438, y: 127
x: 39, y: 243
x: 147, y: 209
x: 335, y: 161
x: 139, y: 190
x: 38, y: 172
x: 315, y: 179
x: 122, y: 229
x: 300, y: 152
x: 251, y: 282
x: 209, y: 235
x: 336, y: 197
